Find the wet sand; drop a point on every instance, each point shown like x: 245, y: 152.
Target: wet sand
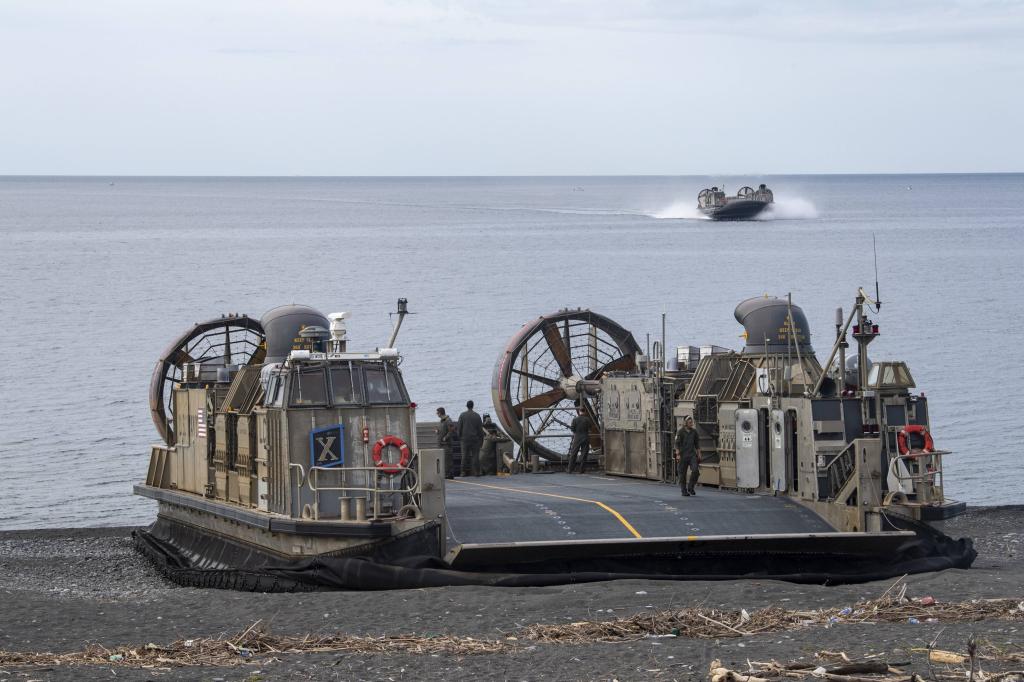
x: 61, y: 590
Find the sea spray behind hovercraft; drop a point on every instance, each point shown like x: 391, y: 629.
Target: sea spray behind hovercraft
x: 789, y: 208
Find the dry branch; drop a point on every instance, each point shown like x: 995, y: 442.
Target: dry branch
x: 694, y: 623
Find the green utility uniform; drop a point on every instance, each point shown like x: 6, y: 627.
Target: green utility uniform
x: 471, y: 435
x: 688, y: 451
x: 489, y: 463
x: 580, y: 445
x: 445, y: 435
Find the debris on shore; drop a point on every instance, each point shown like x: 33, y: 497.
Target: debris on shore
x: 838, y: 667
x: 894, y: 606
x: 257, y: 644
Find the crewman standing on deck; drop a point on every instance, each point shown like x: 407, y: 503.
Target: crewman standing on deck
x: 489, y: 453
x: 580, y: 444
x: 445, y: 434
x: 687, y: 453
x: 471, y: 434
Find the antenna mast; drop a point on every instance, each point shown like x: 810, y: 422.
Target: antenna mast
x: 874, y: 250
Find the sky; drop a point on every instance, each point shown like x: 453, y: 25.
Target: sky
x: 509, y: 87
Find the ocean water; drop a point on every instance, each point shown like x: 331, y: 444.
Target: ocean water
x: 97, y: 275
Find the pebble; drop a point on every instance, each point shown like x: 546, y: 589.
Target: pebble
x: 104, y: 566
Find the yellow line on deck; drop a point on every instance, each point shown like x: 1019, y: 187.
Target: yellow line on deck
x: 602, y: 505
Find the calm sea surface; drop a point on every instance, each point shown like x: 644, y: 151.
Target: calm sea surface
x: 97, y: 275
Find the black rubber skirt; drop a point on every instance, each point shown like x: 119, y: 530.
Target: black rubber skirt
x: 190, y: 557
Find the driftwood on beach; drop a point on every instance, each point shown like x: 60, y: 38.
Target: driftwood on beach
x: 257, y: 643
x: 85, y: 596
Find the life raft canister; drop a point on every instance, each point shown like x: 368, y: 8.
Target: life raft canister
x: 391, y: 467
x: 903, y: 438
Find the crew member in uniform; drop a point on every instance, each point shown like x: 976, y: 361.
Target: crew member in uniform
x: 580, y: 444
x: 489, y: 451
x: 445, y: 433
x: 471, y: 434
x: 687, y: 453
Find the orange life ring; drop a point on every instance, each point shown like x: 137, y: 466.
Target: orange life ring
x: 390, y: 467
x: 903, y: 436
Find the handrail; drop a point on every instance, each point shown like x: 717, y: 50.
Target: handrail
x: 316, y: 488
x: 925, y: 485
x: 936, y: 456
x: 302, y: 471
x: 312, y: 482
x: 840, y: 468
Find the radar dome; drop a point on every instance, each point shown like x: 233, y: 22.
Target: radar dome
x: 766, y: 321
x: 282, y: 326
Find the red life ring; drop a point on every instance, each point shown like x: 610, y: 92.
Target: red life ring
x: 390, y: 467
x: 903, y: 436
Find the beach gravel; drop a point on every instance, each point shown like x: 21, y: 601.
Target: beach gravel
x: 62, y: 590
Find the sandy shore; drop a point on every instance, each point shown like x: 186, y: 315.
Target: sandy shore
x: 62, y: 590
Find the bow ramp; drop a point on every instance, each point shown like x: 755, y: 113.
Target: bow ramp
x: 560, y: 522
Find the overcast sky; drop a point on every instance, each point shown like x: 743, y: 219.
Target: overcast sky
x: 503, y: 87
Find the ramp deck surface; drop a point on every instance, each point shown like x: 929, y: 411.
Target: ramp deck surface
x: 559, y: 507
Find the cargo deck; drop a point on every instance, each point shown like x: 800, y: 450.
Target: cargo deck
x: 572, y: 507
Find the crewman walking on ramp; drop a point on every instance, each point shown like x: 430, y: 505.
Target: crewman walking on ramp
x: 580, y: 444
x: 471, y: 434
x: 687, y: 453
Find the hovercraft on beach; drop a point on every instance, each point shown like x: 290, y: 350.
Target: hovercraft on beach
x: 746, y: 205
x: 281, y: 445
x: 289, y: 462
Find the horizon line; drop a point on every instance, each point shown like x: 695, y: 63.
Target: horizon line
x: 537, y: 175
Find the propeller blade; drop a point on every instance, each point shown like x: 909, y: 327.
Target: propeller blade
x: 547, y: 381
x: 548, y: 399
x: 624, y: 364
x: 558, y: 349
x: 181, y: 357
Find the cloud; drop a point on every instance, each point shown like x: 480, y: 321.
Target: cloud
x: 867, y: 21
x: 255, y: 51
x: 489, y: 86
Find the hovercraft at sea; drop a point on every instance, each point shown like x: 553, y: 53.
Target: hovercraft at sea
x: 746, y: 205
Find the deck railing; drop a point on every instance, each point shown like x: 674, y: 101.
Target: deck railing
x: 357, y: 494
x: 839, y: 470
x: 924, y: 474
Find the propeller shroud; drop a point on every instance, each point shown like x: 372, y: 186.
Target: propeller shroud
x: 550, y: 368
x: 229, y: 339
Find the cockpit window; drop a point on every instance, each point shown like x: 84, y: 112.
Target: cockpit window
x: 309, y: 387
x: 345, y: 385
x: 273, y: 388
x: 273, y: 382
x: 384, y: 386
x: 888, y: 375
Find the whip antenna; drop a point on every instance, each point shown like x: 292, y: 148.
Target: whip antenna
x: 874, y: 250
